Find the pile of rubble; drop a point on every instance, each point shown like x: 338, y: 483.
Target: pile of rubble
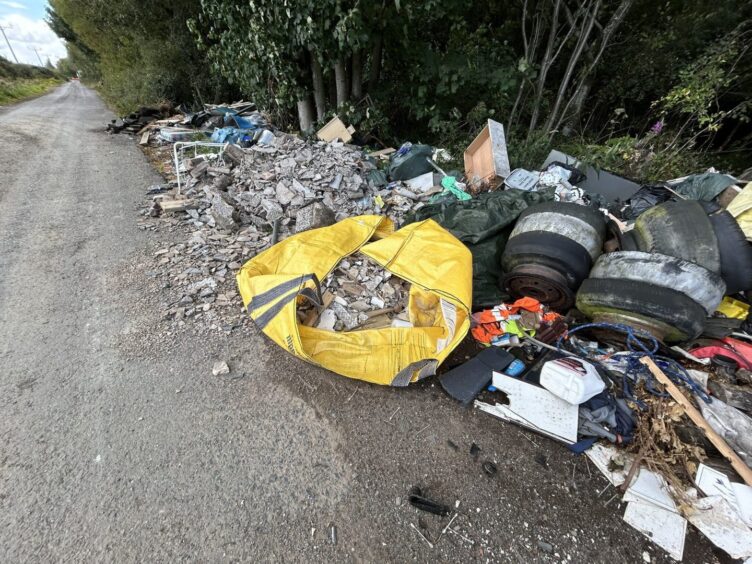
x: 359, y: 294
x: 239, y: 201
x: 291, y: 182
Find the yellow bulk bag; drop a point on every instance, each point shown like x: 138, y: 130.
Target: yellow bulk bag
x: 438, y: 266
x: 741, y: 208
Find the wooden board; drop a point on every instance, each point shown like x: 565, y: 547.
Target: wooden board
x: 486, y: 157
x: 335, y: 129
x: 176, y: 205
x: 145, y: 138
x: 693, y: 413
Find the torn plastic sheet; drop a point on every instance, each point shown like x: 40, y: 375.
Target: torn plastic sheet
x: 665, y: 528
x: 718, y: 521
x: 534, y: 408
x: 715, y: 483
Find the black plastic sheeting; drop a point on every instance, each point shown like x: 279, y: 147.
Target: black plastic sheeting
x: 483, y: 224
x: 645, y: 198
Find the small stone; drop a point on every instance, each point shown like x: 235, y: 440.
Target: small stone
x: 545, y: 546
x: 377, y: 302
x: 645, y: 557
x: 220, y: 367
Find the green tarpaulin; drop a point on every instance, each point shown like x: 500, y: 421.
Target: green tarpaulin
x: 483, y: 224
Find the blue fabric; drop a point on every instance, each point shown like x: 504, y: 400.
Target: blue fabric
x: 229, y: 135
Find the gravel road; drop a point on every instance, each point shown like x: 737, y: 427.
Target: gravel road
x: 118, y: 444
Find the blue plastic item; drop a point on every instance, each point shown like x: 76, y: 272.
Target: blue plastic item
x: 515, y: 368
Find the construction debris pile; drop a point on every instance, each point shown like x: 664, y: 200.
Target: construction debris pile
x: 609, y: 317
x: 359, y: 294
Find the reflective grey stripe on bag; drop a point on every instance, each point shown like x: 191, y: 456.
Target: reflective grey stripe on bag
x: 425, y: 368
x: 269, y: 296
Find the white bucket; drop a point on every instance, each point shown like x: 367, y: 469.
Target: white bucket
x: 571, y: 379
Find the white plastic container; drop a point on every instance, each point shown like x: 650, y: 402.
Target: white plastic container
x: 571, y: 379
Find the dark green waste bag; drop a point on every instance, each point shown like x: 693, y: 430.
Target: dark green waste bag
x: 483, y: 224
x: 411, y: 164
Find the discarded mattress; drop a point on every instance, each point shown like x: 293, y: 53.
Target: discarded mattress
x: 438, y: 266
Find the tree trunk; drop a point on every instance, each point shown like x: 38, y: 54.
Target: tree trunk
x: 357, y: 75
x: 332, y: 91
x: 545, y: 65
x: 585, y: 78
x: 375, y: 70
x: 340, y: 76
x: 319, y: 94
x: 305, y: 113
x: 587, y: 25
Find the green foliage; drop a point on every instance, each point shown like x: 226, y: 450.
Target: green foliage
x: 18, y: 82
x: 138, y: 52
x: 12, y: 71
x: 434, y: 71
x: 703, y: 81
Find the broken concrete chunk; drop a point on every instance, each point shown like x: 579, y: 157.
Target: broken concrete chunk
x: 327, y: 320
x: 284, y: 194
x: 233, y: 154
x: 313, y: 216
x: 223, y: 214
x: 222, y: 181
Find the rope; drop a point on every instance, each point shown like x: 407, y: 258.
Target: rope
x: 639, y: 344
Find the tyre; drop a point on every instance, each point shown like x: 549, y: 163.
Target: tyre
x: 545, y: 266
x: 551, y: 249
x: 735, y: 252
x: 697, y: 283
x: 625, y: 240
x: 679, y: 229
x: 578, y: 223
x: 677, y: 317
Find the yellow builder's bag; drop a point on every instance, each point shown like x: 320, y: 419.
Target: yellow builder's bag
x: 438, y: 266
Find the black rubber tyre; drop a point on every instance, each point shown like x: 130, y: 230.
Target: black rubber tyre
x: 591, y: 216
x: 661, y: 304
x: 625, y: 239
x: 736, y: 252
x: 549, y: 249
x: 679, y: 229
x: 697, y: 283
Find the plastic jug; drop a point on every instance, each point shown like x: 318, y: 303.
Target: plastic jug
x: 571, y: 379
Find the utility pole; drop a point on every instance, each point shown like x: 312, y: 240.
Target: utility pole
x: 8, y: 42
x: 36, y: 50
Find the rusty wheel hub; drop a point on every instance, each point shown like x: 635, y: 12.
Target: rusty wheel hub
x: 543, y: 283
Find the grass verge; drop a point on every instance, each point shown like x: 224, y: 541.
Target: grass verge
x: 14, y: 90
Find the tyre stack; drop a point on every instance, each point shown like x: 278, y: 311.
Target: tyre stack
x: 684, y: 263
x: 551, y: 251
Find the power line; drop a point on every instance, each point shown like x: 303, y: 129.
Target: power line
x: 8, y: 42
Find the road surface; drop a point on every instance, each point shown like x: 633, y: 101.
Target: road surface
x: 118, y: 445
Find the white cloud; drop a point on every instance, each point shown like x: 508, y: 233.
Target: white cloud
x: 13, y: 5
x: 26, y: 34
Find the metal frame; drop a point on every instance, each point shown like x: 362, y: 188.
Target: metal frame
x: 178, y: 151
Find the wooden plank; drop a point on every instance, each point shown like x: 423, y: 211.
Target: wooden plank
x: 176, y: 205
x: 692, y: 412
x: 313, y: 315
x: 335, y: 129
x: 145, y: 138
x: 383, y: 153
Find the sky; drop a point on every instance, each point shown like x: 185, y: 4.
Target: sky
x: 24, y: 25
